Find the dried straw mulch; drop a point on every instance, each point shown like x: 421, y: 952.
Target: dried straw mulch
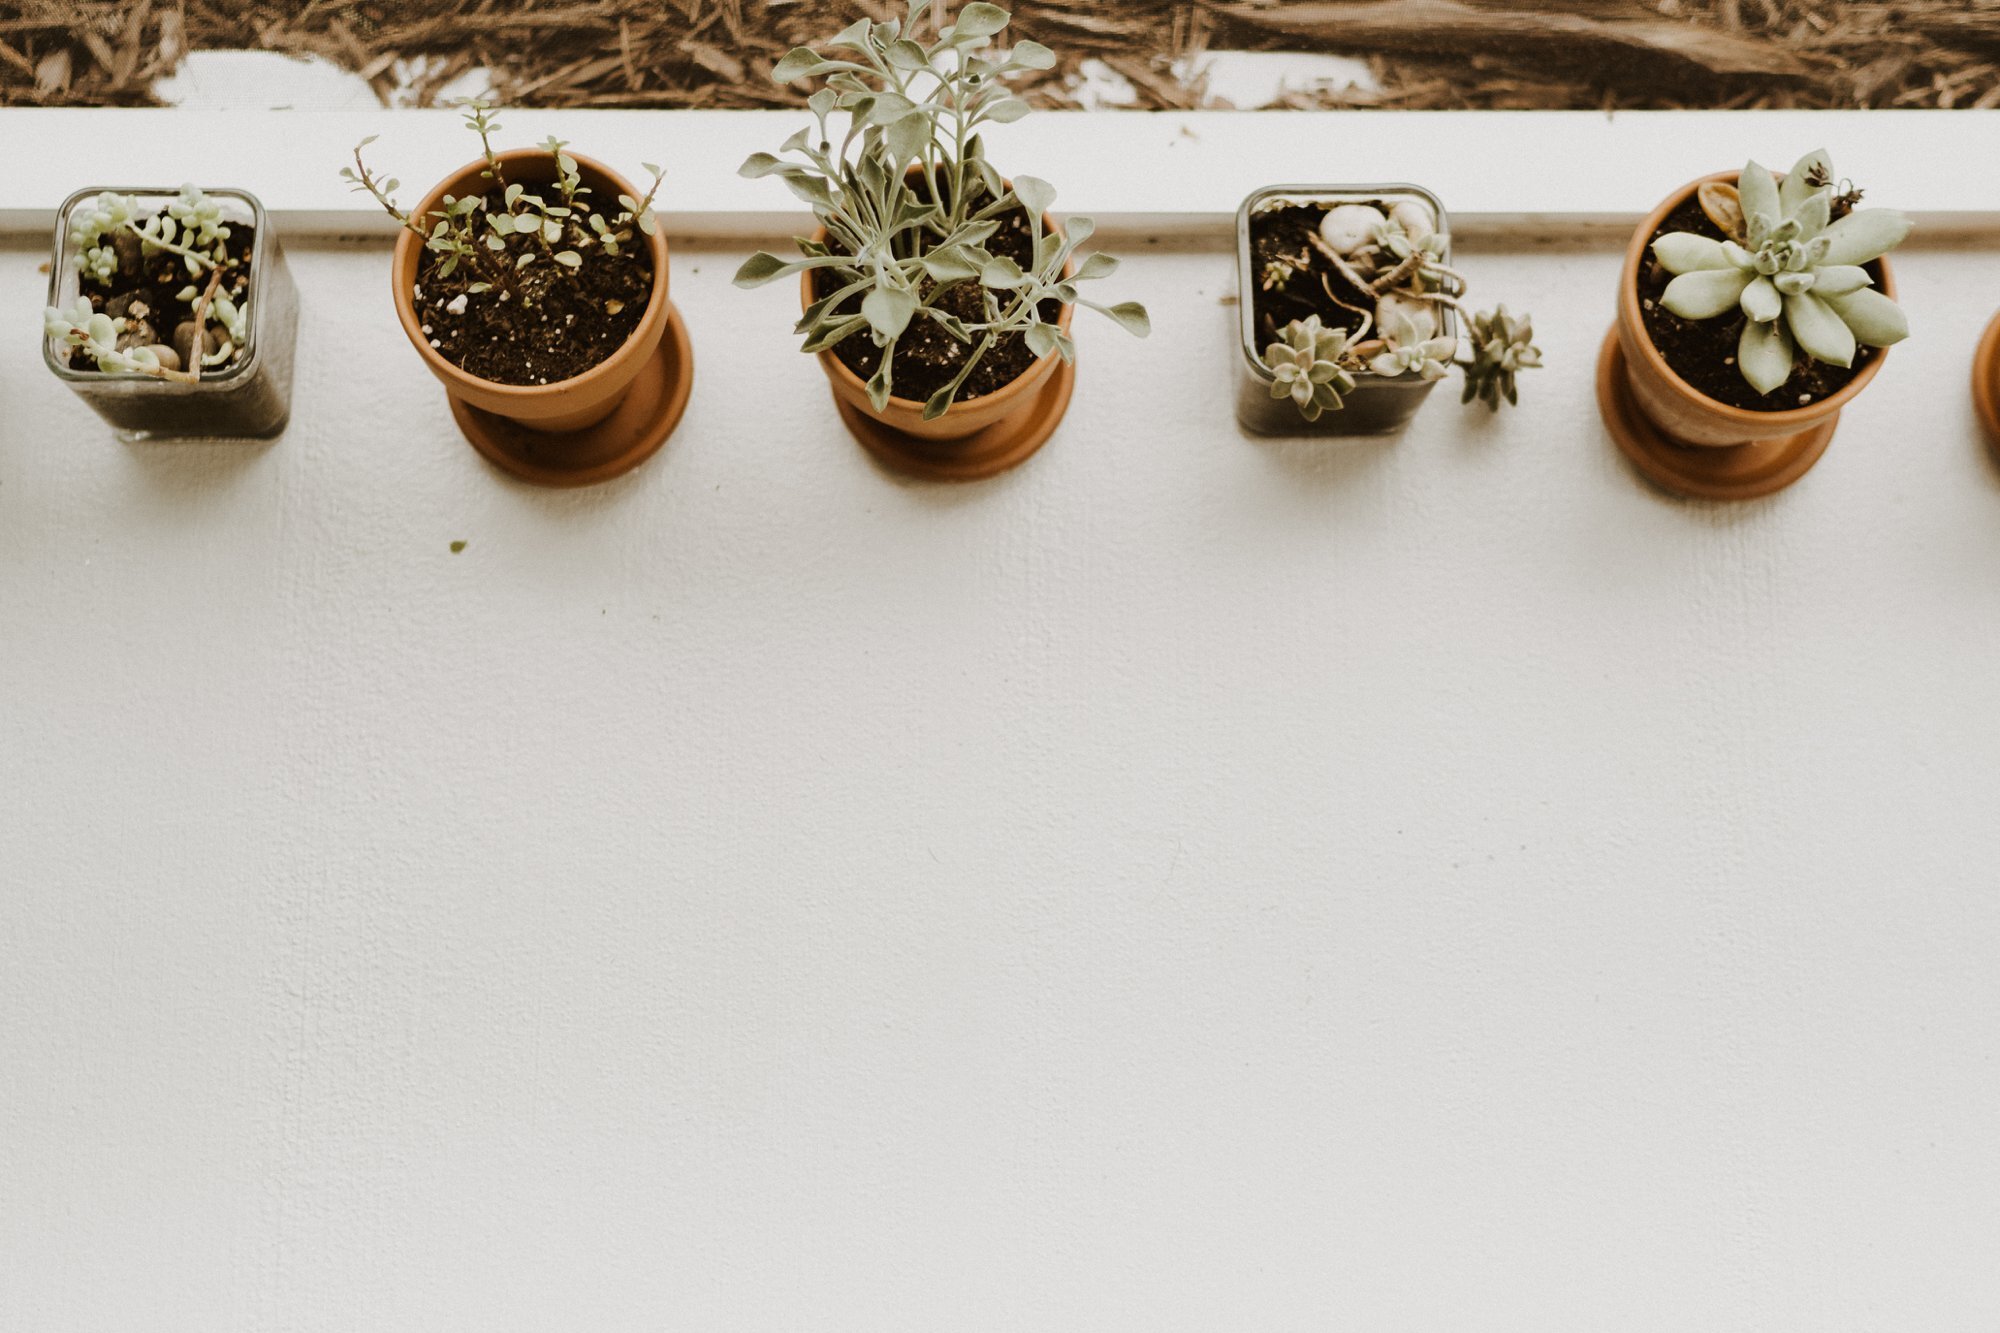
x: 715, y: 53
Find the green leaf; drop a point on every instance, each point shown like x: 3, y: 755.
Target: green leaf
x: 1007, y: 110
x: 1031, y: 55
x: 761, y: 268
x: 1036, y: 195
x: 1129, y: 315
x: 1041, y: 339
x: 854, y: 36
x: 950, y: 264
x: 908, y: 137
x: 880, y: 385
x: 980, y: 20
x: 1099, y: 265
x: 1002, y: 274
x: 888, y: 311
x: 905, y: 54
x: 798, y: 62
x: 456, y: 547
x: 569, y: 259
x: 754, y: 166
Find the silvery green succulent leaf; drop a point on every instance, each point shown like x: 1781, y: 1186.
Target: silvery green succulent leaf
x: 1810, y: 173
x: 1819, y: 330
x: 1762, y: 301
x: 1875, y: 319
x: 1764, y: 354
x: 1759, y: 193
x: 1865, y: 235
x: 1685, y: 252
x: 1706, y: 293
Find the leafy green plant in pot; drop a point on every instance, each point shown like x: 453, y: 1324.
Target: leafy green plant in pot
x: 172, y: 313
x: 533, y: 283
x: 937, y: 293
x: 1751, y: 311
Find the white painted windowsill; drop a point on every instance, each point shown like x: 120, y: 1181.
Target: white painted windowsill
x: 1133, y: 171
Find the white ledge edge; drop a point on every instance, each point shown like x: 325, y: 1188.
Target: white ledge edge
x: 1147, y: 173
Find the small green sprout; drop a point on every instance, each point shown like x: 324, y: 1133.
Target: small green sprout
x: 485, y: 247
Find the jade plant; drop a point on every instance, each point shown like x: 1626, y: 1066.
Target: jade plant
x: 1792, y: 265
x: 1394, y: 259
x: 921, y: 231
x: 487, y: 244
x: 114, y: 238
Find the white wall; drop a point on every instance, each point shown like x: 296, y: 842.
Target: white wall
x: 1187, y: 884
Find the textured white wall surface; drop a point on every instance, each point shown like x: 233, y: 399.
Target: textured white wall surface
x: 1186, y: 884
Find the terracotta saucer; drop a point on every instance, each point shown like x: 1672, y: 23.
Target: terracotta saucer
x: 1986, y: 385
x: 985, y: 453
x: 611, y: 448
x: 1742, y: 472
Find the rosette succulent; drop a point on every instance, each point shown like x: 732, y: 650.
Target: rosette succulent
x: 1795, y: 271
x: 1501, y: 346
x: 1307, y: 368
x: 1407, y: 350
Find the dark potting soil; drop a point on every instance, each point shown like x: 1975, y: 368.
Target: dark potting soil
x: 1703, y: 352
x: 926, y: 356
x: 1280, y: 235
x: 142, y: 292
x: 539, y: 325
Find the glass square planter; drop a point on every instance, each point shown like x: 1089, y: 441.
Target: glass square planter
x: 251, y: 399
x: 1378, y: 405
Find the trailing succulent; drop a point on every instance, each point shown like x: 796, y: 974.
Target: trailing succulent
x: 1396, y: 261
x: 487, y: 247
x: 1792, y: 265
x: 910, y: 203
x: 112, y: 236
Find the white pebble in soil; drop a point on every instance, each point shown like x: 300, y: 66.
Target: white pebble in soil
x: 1348, y: 227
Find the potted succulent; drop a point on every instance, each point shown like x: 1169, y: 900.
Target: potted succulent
x: 172, y: 314
x: 1350, y: 312
x: 937, y: 293
x: 533, y: 284
x: 1751, y: 310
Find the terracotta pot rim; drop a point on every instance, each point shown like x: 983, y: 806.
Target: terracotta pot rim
x: 403, y: 272
x: 837, y: 370
x: 1629, y: 311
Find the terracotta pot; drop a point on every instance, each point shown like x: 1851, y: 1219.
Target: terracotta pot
x: 580, y: 430
x: 1986, y: 384
x: 974, y: 438
x: 1680, y: 438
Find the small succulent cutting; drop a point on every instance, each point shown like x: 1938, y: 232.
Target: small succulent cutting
x: 913, y: 211
x: 1395, y: 260
x: 484, y: 247
x: 115, y: 238
x: 1792, y: 265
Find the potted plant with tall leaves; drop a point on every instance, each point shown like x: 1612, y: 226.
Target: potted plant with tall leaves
x: 1752, y: 309
x: 937, y: 293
